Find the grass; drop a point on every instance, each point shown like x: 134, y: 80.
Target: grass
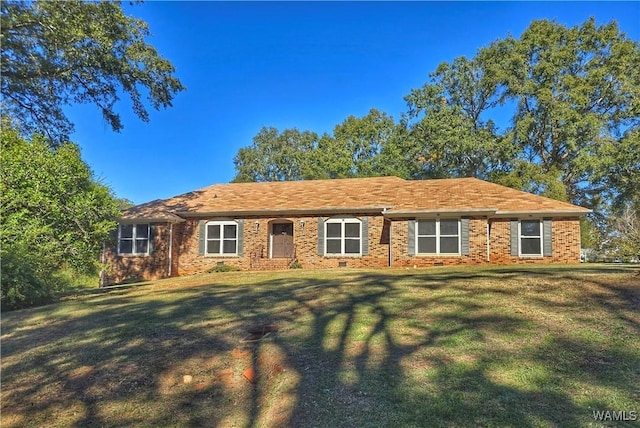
x: 517, y: 346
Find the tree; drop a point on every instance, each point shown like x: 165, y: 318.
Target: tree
x: 276, y: 156
x: 449, y: 134
x: 620, y: 171
x: 352, y: 151
x: 58, y: 53
x: 355, y: 146
x: 624, y: 234
x: 577, y: 90
x: 124, y: 203
x: 53, y: 214
x: 443, y: 143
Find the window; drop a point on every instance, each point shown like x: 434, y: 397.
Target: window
x: 221, y: 238
x: 133, y: 239
x: 343, y: 236
x: 530, y: 238
x: 438, y: 236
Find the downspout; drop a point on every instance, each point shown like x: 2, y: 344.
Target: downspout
x: 390, y: 242
x: 170, y: 247
x: 384, y: 210
x: 488, y: 237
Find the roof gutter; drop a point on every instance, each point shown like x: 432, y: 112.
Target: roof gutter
x: 490, y: 212
x: 438, y: 212
x: 138, y: 220
x: 543, y: 213
x: 283, y: 212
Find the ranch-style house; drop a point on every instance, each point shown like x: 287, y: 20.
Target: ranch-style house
x: 359, y: 222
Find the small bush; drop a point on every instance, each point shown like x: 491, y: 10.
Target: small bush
x: 223, y: 268
x: 296, y: 265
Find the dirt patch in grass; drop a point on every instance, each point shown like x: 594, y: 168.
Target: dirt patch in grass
x: 524, y: 346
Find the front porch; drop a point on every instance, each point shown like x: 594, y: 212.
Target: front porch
x: 280, y: 251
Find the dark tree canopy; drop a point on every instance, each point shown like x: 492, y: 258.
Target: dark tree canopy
x: 59, y: 53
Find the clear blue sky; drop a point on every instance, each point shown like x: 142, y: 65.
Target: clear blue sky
x: 304, y: 65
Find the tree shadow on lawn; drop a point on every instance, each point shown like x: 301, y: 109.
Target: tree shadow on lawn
x: 356, y: 349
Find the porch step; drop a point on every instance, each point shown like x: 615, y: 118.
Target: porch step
x: 270, y: 264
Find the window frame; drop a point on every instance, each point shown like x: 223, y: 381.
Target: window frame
x: 343, y: 222
x: 134, y: 239
x: 222, y: 239
x: 540, y: 237
x: 437, y: 236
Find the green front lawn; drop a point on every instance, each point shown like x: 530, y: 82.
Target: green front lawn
x: 511, y: 346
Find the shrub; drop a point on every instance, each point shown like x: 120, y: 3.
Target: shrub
x: 223, y: 268
x: 26, y: 280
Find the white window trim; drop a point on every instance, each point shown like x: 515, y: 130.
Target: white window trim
x: 520, y: 237
x: 438, y: 236
x: 220, y: 223
x: 342, y: 222
x: 134, y: 239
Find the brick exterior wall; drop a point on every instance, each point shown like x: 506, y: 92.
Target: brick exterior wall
x: 388, y: 245
x: 565, y: 239
x: 400, y: 247
x: 565, y: 245
x: 152, y: 266
x: 256, y: 246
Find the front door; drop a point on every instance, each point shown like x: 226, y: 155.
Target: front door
x: 282, y: 240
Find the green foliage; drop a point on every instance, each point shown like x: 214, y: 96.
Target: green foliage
x: 624, y: 234
x: 124, y: 203
x: 275, y: 156
x: 295, y: 265
x: 352, y: 151
x: 620, y: 170
x: 54, y: 216
x: 589, y: 234
x: 223, y: 268
x: 577, y: 89
x: 27, y: 279
x: 533, y: 178
x: 45, y: 47
x: 448, y: 133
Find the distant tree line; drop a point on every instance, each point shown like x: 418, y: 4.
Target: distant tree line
x: 573, y: 99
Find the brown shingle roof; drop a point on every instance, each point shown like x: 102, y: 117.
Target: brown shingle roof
x: 474, y: 194
x: 394, y: 194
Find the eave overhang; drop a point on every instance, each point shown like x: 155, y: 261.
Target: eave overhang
x: 283, y: 212
x: 440, y: 212
x: 179, y: 217
x: 138, y: 220
x: 542, y: 213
